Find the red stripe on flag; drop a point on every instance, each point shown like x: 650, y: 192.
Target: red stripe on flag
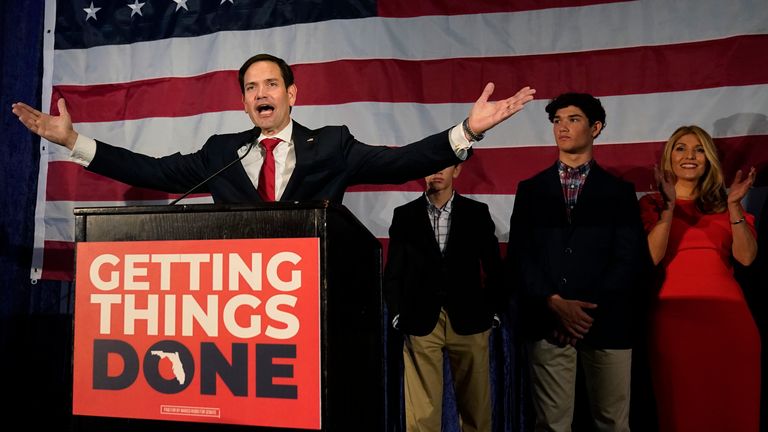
x: 59, y: 259
x: 489, y: 171
x: 498, y: 171
x: 622, y: 71
x: 161, y: 97
x: 68, y: 181
x: 411, y: 8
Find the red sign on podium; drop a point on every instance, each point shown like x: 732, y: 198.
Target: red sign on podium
x: 219, y: 331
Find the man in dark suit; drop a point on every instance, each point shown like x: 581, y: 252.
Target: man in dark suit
x: 577, y: 246
x: 300, y: 164
x: 442, y: 287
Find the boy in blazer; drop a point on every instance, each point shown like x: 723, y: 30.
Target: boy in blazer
x: 442, y: 287
x: 577, y: 247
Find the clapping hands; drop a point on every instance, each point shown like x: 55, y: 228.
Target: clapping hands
x: 741, y: 186
x: 665, y: 180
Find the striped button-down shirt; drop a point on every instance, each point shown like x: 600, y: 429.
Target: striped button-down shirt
x: 440, y: 218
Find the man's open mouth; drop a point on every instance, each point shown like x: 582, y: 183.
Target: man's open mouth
x: 265, y: 108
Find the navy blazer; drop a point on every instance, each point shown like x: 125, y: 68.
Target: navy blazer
x: 599, y: 256
x: 328, y: 160
x: 419, y: 279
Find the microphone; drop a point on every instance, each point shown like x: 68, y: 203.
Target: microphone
x: 250, y: 144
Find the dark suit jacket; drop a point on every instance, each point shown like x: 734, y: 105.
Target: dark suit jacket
x: 328, y: 160
x: 598, y: 257
x: 467, y: 273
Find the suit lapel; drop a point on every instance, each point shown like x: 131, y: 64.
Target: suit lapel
x: 303, y: 141
x: 554, y: 192
x: 457, y: 218
x: 238, y: 171
x: 554, y: 208
x: 591, y: 188
x: 425, y: 227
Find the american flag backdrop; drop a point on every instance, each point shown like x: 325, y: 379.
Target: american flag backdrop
x: 160, y: 76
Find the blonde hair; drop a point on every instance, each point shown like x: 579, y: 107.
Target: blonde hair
x: 711, y: 196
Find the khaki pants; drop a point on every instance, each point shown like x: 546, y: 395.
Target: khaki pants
x: 469, y: 362
x: 553, y: 378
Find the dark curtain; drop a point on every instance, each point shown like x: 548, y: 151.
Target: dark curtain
x: 758, y: 299
x: 754, y: 281
x: 35, y: 324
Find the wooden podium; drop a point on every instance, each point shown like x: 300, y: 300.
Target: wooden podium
x: 353, y: 395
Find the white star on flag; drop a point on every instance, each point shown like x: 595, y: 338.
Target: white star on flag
x: 91, y: 12
x: 136, y: 8
x: 180, y: 4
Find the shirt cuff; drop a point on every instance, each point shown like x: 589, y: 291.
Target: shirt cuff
x: 84, y: 150
x: 459, y: 143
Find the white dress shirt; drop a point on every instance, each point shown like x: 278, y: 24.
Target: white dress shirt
x: 285, y: 160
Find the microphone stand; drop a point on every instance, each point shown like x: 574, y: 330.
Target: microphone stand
x: 250, y: 146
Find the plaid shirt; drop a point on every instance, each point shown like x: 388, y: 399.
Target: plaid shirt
x: 440, y: 218
x: 572, y: 180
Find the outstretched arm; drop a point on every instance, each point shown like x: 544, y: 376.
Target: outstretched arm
x: 484, y: 114
x: 56, y: 129
x: 176, y: 173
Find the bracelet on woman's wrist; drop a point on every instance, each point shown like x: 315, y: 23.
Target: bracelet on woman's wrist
x: 738, y: 221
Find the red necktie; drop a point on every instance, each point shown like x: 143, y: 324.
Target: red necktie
x: 266, y: 187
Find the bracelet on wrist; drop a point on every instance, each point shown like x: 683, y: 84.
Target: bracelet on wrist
x: 738, y: 221
x: 472, y: 135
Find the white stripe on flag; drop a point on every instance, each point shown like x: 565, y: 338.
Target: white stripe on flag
x: 725, y: 111
x: 613, y: 25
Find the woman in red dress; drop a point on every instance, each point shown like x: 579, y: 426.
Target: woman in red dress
x: 705, y: 347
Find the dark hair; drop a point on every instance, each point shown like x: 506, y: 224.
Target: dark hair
x: 285, y: 70
x: 591, y: 106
